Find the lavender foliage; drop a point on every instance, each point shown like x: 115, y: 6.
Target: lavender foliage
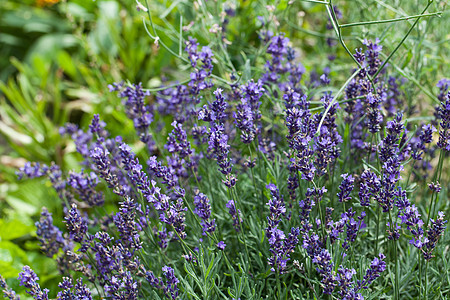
x: 134, y: 211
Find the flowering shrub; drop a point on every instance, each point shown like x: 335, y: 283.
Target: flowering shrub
x: 270, y: 187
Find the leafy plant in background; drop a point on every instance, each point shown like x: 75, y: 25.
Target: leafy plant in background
x: 59, y: 50
x: 277, y: 219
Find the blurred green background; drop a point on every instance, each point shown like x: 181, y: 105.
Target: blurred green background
x: 57, y: 58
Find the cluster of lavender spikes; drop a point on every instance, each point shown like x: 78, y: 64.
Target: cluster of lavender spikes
x: 155, y: 198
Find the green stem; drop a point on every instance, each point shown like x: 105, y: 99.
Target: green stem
x: 213, y: 236
x: 156, y: 38
x: 241, y: 232
x: 413, y: 80
x: 420, y: 274
x: 162, y: 88
x: 402, y: 41
x: 334, y: 100
x: 435, y: 195
x: 337, y: 29
x: 410, y: 172
x: 251, y: 169
x: 315, y: 1
x: 94, y: 264
x: 396, y: 283
x: 390, y: 20
x: 332, y: 186
x: 278, y: 284
x: 426, y: 280
x: 377, y: 230
x: 324, y: 236
x: 185, y: 245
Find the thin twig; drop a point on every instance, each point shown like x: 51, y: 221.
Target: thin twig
x: 439, y: 13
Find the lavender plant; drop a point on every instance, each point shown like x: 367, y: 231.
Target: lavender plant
x: 266, y: 187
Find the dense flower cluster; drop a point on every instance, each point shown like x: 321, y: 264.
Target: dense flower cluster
x: 444, y: 116
x: 133, y: 213
x: 280, y: 245
x: 29, y: 280
x: 70, y: 291
x: 203, y: 210
x: 50, y: 237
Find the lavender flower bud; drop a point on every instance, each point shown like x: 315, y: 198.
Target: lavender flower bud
x: 76, y: 224
x: 235, y: 215
x: 345, y: 188
x: 84, y: 185
x: 171, y: 287
x: 203, y: 210
x: 444, y: 131
x: 221, y: 245
x: 29, y: 279
x: 435, y: 187
x: 7, y: 291
x: 377, y: 267
x: 49, y: 236
x: 435, y: 231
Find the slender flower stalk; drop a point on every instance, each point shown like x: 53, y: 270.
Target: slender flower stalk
x: 277, y: 125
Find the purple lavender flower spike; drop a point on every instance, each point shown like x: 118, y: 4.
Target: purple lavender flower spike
x: 7, y: 291
x: 154, y: 281
x: 164, y: 238
x: 29, y: 279
x: 122, y: 286
x: 235, y: 214
x: 325, y: 269
x: 410, y: 216
x: 278, y: 46
x: 434, y: 187
x: 326, y: 144
x: 177, y: 141
x: 346, y: 187
x: 70, y: 292
x: 175, y: 217
x: 278, y: 49
x: 81, y: 139
x: 373, y: 112
x: 103, y: 164
x: 425, y: 137
x: 171, y: 287
x: 435, y: 231
x: 377, y: 266
x: 313, y: 196
x: 244, y: 121
x: 49, y: 236
x: 276, y: 202
x: 96, y: 125
x: 221, y: 245
x: 76, y: 224
x: 280, y: 245
x: 443, y: 85
x: 84, y: 185
x: 345, y: 282
x: 82, y: 291
x: 352, y: 226
x: 372, y: 54
x: 141, y: 114
x: 199, y: 77
x: 31, y: 171
x: 191, y: 49
x: 370, y: 185
x: 247, y: 115
x: 203, y: 210
x: 444, y: 130
x: 125, y: 221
